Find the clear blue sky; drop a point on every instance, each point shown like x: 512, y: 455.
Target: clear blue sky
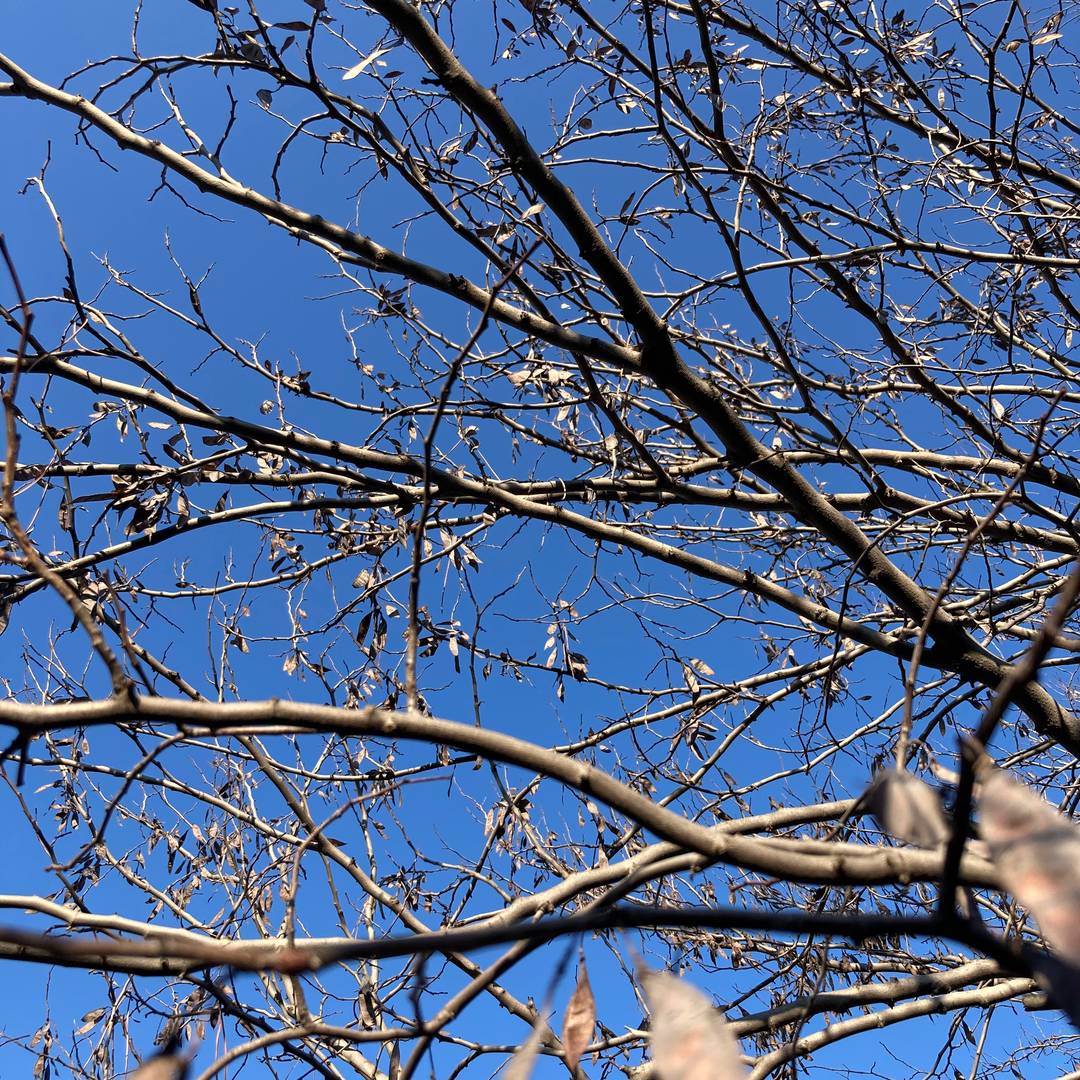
x: 262, y: 283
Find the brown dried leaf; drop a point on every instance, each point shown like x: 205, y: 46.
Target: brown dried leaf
x: 162, y: 1067
x: 520, y: 1066
x: 1060, y: 980
x: 1037, y: 853
x: 580, y: 1019
x: 689, y: 1037
x: 907, y: 808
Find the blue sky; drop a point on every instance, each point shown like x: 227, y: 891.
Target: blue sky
x: 263, y: 283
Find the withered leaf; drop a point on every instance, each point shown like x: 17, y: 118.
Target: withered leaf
x: 907, y: 808
x: 368, y: 60
x: 170, y: 1067
x: 1037, y: 853
x: 580, y: 1019
x: 690, y: 1039
x: 166, y: 1065
x: 1059, y: 979
x: 520, y: 1066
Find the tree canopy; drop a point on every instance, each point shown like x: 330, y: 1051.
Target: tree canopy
x: 614, y: 521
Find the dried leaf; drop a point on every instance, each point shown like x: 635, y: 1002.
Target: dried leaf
x: 907, y: 808
x: 356, y: 69
x: 1037, y: 853
x: 693, y: 684
x: 580, y: 1019
x: 162, y: 1067
x: 520, y: 1066
x: 1051, y: 24
x: 1059, y: 979
x: 166, y: 1065
x: 689, y: 1037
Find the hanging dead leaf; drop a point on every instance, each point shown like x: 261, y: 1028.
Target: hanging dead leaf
x: 907, y: 808
x: 580, y: 1019
x: 356, y: 69
x: 171, y: 1067
x: 168, y: 1064
x: 520, y: 1066
x: 1037, y: 853
x: 689, y: 1037
x: 1059, y: 979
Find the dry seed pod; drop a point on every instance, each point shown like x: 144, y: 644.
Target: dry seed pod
x: 1037, y: 853
x: 689, y: 1037
x: 580, y: 1019
x: 907, y: 808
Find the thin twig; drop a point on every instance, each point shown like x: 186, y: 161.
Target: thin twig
x: 31, y: 557
x: 413, y: 629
